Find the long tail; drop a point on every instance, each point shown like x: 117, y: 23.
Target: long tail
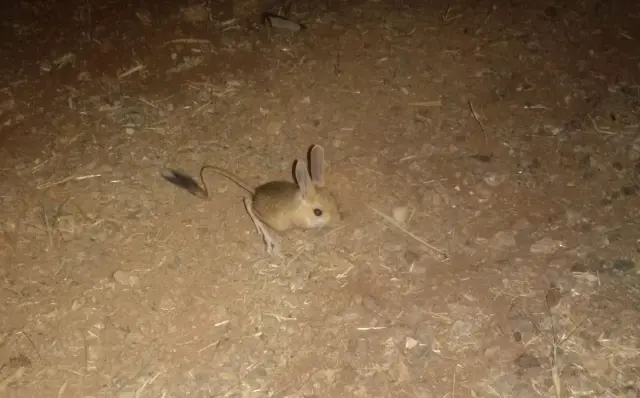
x: 188, y: 183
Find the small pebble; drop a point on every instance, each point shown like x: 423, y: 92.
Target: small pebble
x: 410, y: 343
x: 167, y: 304
x: 586, y: 276
x: 634, y: 150
x: 460, y: 329
x: 503, y: 240
x: 527, y: 361
x: 84, y: 76
x: 494, y: 179
x: 521, y: 224
x: 125, y: 279
x: 552, y: 297
x: 545, y: 246
x: 77, y: 304
x: 492, y: 352
x: 623, y: 265
x: 483, y: 192
x: 203, y: 96
x: 274, y: 128
x: 482, y: 158
x: 411, y: 257
x: 400, y: 214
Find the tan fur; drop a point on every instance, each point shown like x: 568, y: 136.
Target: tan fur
x: 280, y: 205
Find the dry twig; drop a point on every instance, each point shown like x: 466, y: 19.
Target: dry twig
x: 417, y: 238
x: 598, y: 129
x: 67, y: 179
x: 477, y: 117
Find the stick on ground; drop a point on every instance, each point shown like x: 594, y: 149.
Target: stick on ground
x: 417, y: 238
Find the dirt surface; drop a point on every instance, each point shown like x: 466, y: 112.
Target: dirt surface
x: 486, y: 157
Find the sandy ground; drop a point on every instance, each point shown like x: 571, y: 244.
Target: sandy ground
x: 486, y: 157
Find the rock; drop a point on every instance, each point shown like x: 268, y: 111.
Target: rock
x: 553, y: 296
x: 400, y: 214
x: 591, y: 278
x: 423, y: 334
x: 482, y: 191
x: 279, y: 22
x: 84, y: 76
x: 634, y: 150
x: 125, y: 278
x: 590, y: 263
x: 256, y: 378
x: 520, y: 327
x: 369, y: 303
x: 195, y: 14
x: 483, y: 158
x: 623, y: 265
x: 358, y: 347
x: 517, y: 336
x: 574, y: 217
x: 431, y: 198
x: 203, y: 96
x: 274, y: 128
x: 598, y: 367
x: 400, y: 372
x: 527, y: 361
x: 347, y: 375
x: 503, y: 240
x: 357, y: 234
x: 133, y: 338
x: 545, y: 246
x: 630, y: 190
x: 492, y: 352
x: 410, y: 343
x: 461, y: 329
x: 505, y: 385
x: 167, y: 304
x: 418, y: 269
x: 521, y: 224
x: 411, y: 257
x: 75, y: 304
x: 494, y: 179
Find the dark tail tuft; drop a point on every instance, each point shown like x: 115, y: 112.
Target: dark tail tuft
x: 184, y: 181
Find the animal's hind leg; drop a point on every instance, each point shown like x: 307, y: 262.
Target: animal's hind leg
x: 272, y: 245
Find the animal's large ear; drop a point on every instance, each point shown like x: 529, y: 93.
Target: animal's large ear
x: 303, y: 180
x: 316, y: 159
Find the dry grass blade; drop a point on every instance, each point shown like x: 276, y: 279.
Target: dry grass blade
x: 146, y: 383
x: 409, y: 233
x: 555, y: 344
x: 598, y: 129
x: 477, y: 117
x: 32, y: 345
x: 555, y: 372
x: 62, y: 389
x: 426, y: 104
x: 131, y: 71
x: 67, y: 179
x: 187, y: 41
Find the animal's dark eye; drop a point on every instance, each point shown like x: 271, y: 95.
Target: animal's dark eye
x: 317, y: 212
